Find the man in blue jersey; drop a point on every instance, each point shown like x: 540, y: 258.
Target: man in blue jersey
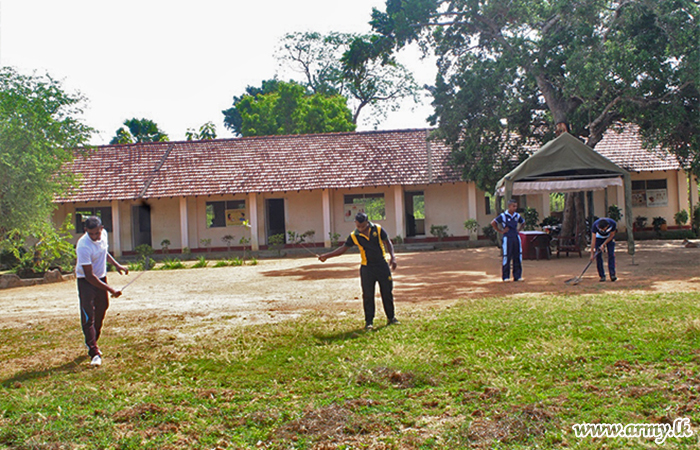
x: 509, y: 224
x: 373, y: 243
x: 603, y: 239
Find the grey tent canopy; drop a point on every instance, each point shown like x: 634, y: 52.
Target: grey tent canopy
x: 566, y: 164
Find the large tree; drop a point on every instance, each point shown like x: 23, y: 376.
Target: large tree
x: 516, y: 71
x: 139, y: 130
x: 374, y: 81
x: 287, y: 108
x: 39, y: 130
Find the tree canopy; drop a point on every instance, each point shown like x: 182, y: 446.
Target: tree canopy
x: 139, y: 130
x: 347, y: 64
x: 511, y: 72
x: 206, y: 132
x: 287, y: 108
x: 39, y: 131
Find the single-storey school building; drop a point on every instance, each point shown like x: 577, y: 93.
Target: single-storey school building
x: 212, y: 194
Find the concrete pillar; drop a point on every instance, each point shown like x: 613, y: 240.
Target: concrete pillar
x: 253, y: 206
x: 116, y: 230
x: 326, y: 199
x: 472, y: 209
x: 400, y: 211
x: 184, y: 228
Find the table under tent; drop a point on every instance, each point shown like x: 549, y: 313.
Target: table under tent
x: 566, y: 164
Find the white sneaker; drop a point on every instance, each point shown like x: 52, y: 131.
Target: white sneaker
x: 96, y: 361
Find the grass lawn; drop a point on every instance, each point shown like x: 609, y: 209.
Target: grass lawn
x: 515, y: 372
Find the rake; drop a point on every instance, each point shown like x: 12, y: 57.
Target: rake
x: 577, y: 280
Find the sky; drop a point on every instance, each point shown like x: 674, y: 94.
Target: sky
x: 178, y: 63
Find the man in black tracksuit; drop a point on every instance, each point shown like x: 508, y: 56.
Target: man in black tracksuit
x: 373, y: 243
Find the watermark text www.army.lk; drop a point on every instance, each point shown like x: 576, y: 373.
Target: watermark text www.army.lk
x: 658, y: 431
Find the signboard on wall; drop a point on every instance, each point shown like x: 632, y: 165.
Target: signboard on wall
x: 657, y: 197
x: 235, y: 217
x: 351, y: 211
x: 639, y: 198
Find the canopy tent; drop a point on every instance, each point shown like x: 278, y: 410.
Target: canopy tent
x: 566, y: 164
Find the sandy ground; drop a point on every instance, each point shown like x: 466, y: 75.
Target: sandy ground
x: 281, y: 288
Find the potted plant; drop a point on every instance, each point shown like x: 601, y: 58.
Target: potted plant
x: 532, y: 218
x: 639, y: 223
x: 659, y: 224
x: 472, y: 226
x: 165, y: 245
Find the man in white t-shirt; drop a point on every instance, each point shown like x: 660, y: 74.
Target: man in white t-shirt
x: 91, y: 271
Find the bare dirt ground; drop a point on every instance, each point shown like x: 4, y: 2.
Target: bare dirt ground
x: 276, y: 289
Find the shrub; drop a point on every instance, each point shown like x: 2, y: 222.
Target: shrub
x: 658, y: 223
x: 221, y: 263
x: 334, y: 238
x: 472, y: 226
x: 276, y: 242
x: 165, y: 245
x: 490, y: 233
x: 531, y: 217
x: 615, y: 213
x: 681, y: 217
x: 228, y: 239
x: 439, y: 231
x: 201, y: 263
x: 145, y: 251
x: 172, y: 264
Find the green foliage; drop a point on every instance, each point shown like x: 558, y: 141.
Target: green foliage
x: 439, y: 231
x: 39, y: 131
x: 139, y: 130
x: 532, y: 218
x: 207, y: 132
x: 206, y: 243
x: 472, y: 226
x: 280, y: 108
x: 172, y: 264
x: 681, y: 217
x: 557, y: 201
x: 145, y: 251
x: 222, y: 263
x: 276, y: 242
x: 201, y: 263
x: 343, y: 64
x: 165, y: 245
x: 334, y: 238
x: 550, y: 221
x: 228, y: 240
x: 640, y: 222
x: 615, y: 213
x: 509, y: 72
x: 490, y: 233
x: 657, y: 223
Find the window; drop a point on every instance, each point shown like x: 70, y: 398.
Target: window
x: 371, y: 204
x: 81, y: 215
x: 490, y: 202
x: 649, y: 193
x: 226, y: 213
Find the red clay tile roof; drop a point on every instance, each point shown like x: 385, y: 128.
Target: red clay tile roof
x: 623, y: 146
x: 294, y: 163
x: 261, y: 164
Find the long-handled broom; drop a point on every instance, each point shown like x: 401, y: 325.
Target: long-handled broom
x: 577, y: 280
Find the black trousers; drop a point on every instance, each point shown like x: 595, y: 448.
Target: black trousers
x: 93, y: 307
x: 369, y: 276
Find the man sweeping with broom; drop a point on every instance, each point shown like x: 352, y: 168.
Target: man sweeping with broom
x: 603, y: 239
